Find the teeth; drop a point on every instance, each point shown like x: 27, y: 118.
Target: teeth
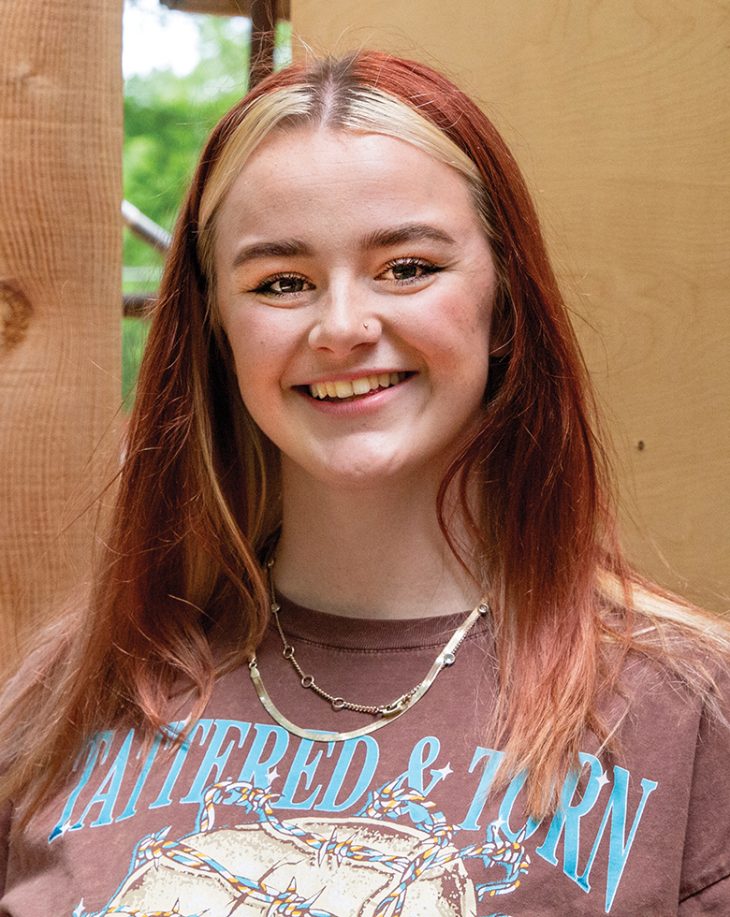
x: 344, y: 389
x: 360, y: 386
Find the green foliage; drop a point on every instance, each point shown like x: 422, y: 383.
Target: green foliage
x: 166, y: 121
x: 134, y: 336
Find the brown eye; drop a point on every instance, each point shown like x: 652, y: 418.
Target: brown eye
x: 408, y: 270
x: 283, y: 285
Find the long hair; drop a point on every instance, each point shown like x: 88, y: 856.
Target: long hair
x: 198, y: 497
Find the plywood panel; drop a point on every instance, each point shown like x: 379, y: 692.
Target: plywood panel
x: 60, y: 282
x: 618, y: 115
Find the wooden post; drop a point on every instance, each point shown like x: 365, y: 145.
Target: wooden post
x: 263, y: 25
x: 60, y: 283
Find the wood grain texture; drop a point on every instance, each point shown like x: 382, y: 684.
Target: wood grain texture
x: 618, y: 115
x: 60, y: 277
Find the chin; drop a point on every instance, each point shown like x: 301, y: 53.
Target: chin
x: 372, y: 472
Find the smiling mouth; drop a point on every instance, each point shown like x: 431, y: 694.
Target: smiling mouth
x: 347, y: 390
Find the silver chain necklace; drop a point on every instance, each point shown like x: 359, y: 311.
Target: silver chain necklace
x: 385, y: 713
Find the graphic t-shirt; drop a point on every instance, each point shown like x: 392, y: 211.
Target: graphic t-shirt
x: 246, y: 818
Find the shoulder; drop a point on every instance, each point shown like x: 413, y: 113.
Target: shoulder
x: 673, y: 705
x: 681, y: 682
x: 679, y: 662
x: 689, y: 644
x: 651, y: 602
x: 706, y: 863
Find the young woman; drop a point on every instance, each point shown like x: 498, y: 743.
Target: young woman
x: 362, y: 641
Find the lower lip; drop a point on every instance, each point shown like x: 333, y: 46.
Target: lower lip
x: 361, y: 404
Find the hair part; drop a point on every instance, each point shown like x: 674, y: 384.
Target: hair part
x: 324, y: 104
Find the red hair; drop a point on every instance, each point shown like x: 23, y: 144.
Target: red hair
x: 198, y: 492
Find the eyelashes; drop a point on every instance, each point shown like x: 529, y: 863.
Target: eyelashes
x: 410, y: 270
x: 399, y: 271
x: 285, y: 284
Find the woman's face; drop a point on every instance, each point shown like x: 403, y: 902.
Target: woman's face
x: 355, y: 286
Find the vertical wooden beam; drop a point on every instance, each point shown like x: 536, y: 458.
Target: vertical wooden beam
x: 263, y: 26
x: 60, y: 282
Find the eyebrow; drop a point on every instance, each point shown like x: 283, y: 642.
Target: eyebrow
x: 286, y: 248
x: 408, y: 232
x: 380, y: 238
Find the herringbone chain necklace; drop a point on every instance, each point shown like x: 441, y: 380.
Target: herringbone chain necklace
x: 385, y: 713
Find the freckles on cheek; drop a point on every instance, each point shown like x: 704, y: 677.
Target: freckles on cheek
x: 247, y: 336
x: 468, y: 319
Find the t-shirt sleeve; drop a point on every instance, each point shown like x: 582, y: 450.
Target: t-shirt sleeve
x: 712, y: 900
x: 705, y: 883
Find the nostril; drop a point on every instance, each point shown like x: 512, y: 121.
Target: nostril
x: 340, y: 339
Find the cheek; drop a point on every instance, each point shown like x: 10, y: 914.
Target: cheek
x: 247, y: 350
x: 263, y: 348
x: 461, y: 326
x: 477, y: 321
x: 252, y: 338
x: 464, y: 344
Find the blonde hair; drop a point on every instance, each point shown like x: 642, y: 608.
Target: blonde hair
x: 368, y: 110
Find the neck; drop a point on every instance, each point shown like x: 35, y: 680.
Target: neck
x: 372, y: 553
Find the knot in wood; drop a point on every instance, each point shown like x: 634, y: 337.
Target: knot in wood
x: 15, y: 313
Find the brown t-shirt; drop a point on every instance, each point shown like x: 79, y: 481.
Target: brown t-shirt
x: 246, y: 818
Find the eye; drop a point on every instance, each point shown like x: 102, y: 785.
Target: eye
x: 283, y: 285
x: 409, y: 270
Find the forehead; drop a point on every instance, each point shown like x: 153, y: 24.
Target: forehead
x: 309, y: 175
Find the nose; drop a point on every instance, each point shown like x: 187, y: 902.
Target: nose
x: 344, y: 321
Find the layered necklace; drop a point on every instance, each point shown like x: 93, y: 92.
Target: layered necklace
x: 384, y: 713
